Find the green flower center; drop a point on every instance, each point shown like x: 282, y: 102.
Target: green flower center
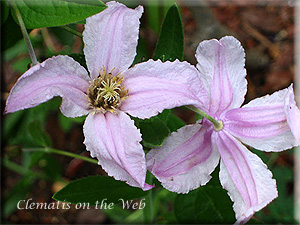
x: 218, y: 125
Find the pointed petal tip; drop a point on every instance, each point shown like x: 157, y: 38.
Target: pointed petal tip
x: 292, y: 113
x: 112, y: 24
x: 183, y: 163
x: 115, y: 141
x: 6, y: 110
x: 148, y: 187
x: 249, y: 190
x: 251, y: 211
x: 139, y: 8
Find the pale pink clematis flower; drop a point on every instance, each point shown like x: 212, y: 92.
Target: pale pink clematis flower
x: 110, y: 92
x: 271, y: 123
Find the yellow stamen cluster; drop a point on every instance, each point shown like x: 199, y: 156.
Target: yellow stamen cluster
x: 106, y: 92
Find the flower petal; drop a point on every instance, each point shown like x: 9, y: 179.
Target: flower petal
x: 110, y: 38
x: 262, y: 123
x: 221, y: 65
x: 154, y: 86
x: 246, y: 178
x: 114, y: 140
x: 292, y: 113
x: 185, y: 160
x: 57, y: 76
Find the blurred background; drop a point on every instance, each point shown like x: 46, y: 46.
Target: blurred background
x: 266, y: 30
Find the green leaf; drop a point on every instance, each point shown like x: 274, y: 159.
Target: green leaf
x: 172, y: 121
x: 153, y: 15
x: 50, y: 13
x: 96, y: 188
x: 141, y: 51
x: 30, y: 159
x: 50, y: 166
x: 207, y: 204
x: 120, y: 216
x: 20, y: 65
x: 281, y: 210
x: 79, y: 58
x: 156, y: 11
x: 11, y: 33
x: 66, y: 123
x: 156, y: 129
x: 170, y: 44
x: 4, y: 11
x: 66, y: 38
x: 87, y: 2
x: 39, y: 134
x: 16, y: 125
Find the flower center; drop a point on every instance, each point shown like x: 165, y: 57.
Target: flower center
x: 218, y: 125
x: 106, y: 92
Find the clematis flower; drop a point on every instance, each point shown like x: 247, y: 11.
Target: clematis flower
x: 109, y: 91
x: 271, y: 123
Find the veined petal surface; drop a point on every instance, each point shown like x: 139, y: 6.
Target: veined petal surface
x: 243, y: 174
x: 262, y: 123
x: 58, y: 76
x: 292, y: 113
x: 221, y: 65
x: 114, y: 140
x: 185, y: 161
x: 110, y: 38
x: 154, y: 86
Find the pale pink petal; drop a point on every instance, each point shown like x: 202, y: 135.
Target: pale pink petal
x: 243, y: 174
x: 154, y: 86
x: 262, y: 123
x: 57, y: 76
x: 292, y: 113
x: 221, y: 65
x: 185, y: 161
x: 114, y: 140
x: 110, y: 38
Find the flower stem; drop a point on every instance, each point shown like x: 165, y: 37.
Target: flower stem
x: 60, y: 152
x: 21, y: 170
x: 24, y: 32
x: 218, y: 125
x: 148, y: 210
x: 72, y: 31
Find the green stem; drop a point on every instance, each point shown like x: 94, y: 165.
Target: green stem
x: 60, y: 152
x: 148, y: 210
x: 218, y: 125
x: 21, y: 170
x: 72, y: 31
x: 24, y: 32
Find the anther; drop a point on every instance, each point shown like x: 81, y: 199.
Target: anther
x: 106, y: 92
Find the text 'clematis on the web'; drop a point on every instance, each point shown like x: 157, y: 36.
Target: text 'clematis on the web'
x: 271, y: 123
x: 109, y: 91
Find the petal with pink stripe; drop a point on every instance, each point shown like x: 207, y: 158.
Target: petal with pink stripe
x: 154, y: 86
x: 114, y: 141
x: 243, y: 174
x: 186, y: 159
x: 262, y: 123
x: 221, y: 65
x: 58, y: 76
x: 110, y: 38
